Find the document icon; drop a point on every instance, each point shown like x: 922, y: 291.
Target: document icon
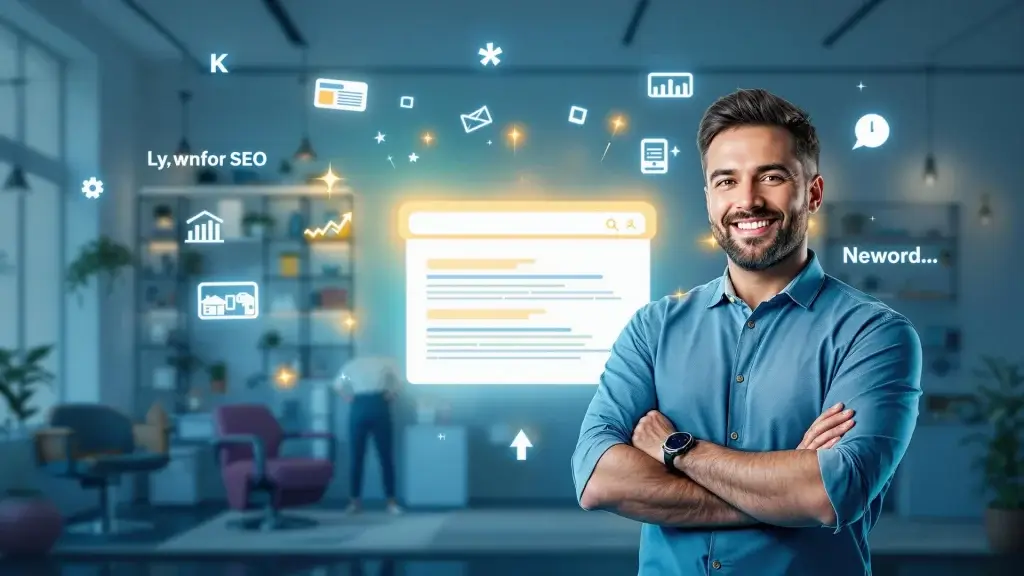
x: 476, y: 120
x: 340, y: 95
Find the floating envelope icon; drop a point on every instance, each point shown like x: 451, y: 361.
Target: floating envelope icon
x: 476, y: 119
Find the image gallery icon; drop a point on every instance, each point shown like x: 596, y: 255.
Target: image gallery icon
x: 228, y: 300
x: 577, y: 115
x: 476, y: 119
x: 346, y: 95
x: 669, y: 85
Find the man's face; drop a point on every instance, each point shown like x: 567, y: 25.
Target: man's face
x: 759, y: 196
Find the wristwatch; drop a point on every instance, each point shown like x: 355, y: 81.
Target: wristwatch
x: 677, y: 444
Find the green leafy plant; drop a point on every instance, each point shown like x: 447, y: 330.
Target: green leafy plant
x: 218, y: 371
x: 998, y: 404
x: 21, y: 376
x: 270, y: 340
x: 254, y: 220
x: 102, y: 258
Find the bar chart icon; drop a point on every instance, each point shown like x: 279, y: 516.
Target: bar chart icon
x: 669, y: 85
x: 204, y: 229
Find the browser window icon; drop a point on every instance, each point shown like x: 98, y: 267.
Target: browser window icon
x: 345, y: 95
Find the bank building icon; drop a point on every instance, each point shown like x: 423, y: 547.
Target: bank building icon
x: 204, y: 229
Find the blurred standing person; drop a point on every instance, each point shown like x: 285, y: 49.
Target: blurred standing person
x: 370, y: 385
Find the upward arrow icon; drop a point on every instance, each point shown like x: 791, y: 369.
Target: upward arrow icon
x: 521, y: 443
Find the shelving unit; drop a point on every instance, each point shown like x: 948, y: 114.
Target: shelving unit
x: 927, y: 293
x: 306, y: 290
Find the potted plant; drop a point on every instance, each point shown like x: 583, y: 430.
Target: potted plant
x: 184, y: 364
x: 218, y: 377
x: 998, y: 405
x: 102, y: 258
x: 21, y: 376
x: 257, y: 224
x: 271, y: 339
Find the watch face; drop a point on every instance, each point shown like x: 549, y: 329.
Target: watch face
x: 678, y: 441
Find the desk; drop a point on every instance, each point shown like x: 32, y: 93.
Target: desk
x: 436, y: 471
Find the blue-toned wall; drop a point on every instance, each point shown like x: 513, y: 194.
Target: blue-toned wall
x: 978, y: 135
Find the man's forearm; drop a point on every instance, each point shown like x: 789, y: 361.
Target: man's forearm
x: 783, y: 488
x: 631, y: 484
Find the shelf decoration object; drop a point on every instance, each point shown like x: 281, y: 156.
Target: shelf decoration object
x: 163, y: 217
x: 257, y: 225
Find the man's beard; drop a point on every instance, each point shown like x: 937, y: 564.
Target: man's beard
x: 768, y: 251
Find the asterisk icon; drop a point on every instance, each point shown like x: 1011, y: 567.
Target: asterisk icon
x: 413, y: 157
x: 490, y: 54
x: 675, y: 150
x: 379, y: 137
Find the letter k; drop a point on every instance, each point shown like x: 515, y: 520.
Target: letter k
x: 217, y: 63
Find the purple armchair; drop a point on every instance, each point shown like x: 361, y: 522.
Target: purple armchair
x: 248, y: 450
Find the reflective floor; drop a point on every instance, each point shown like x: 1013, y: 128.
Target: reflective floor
x: 590, y: 565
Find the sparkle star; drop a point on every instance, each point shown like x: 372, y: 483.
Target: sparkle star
x: 490, y: 54
x: 392, y: 161
x: 379, y: 137
x: 413, y: 157
x: 675, y: 150
x: 330, y: 178
x: 861, y: 86
x: 489, y: 142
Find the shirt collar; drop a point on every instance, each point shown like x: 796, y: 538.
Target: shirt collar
x: 802, y: 290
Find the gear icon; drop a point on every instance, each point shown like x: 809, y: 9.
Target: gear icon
x: 92, y: 188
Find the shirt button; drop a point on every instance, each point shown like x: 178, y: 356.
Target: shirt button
x: 734, y: 436
x: 739, y: 378
x: 750, y: 324
x: 716, y: 565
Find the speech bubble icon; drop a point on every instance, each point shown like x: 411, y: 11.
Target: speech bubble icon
x: 871, y: 130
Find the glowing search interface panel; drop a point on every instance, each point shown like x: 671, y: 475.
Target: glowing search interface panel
x: 521, y: 292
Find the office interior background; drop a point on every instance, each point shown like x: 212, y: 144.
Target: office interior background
x: 89, y: 88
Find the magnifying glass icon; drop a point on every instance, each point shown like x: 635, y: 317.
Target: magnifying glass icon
x: 611, y: 224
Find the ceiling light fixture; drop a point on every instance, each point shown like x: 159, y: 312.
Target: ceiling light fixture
x: 985, y: 212
x: 931, y: 173
x: 184, y: 149
x: 16, y: 180
x: 305, y: 153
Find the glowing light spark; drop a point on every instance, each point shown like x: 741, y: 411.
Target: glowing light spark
x: 618, y: 124
x: 392, y: 161
x: 285, y: 378
x: 427, y: 138
x: 350, y: 322
x: 514, y: 135
x: 330, y: 178
x: 679, y: 294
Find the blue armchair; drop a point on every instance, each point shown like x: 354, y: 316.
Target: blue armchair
x: 96, y: 445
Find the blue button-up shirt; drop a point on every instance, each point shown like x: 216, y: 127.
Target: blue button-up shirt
x: 817, y: 343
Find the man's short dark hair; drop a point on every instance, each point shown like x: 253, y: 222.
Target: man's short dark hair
x: 760, y: 108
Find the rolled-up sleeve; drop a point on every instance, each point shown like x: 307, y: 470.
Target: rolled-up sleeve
x: 624, y: 394
x: 880, y: 379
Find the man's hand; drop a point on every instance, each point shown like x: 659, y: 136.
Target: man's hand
x: 650, y: 434
x: 828, y: 429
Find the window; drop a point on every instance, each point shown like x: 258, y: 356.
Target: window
x: 8, y: 71
x: 31, y: 266
x: 521, y: 292
x: 42, y: 101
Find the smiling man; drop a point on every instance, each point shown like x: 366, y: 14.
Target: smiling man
x: 755, y: 424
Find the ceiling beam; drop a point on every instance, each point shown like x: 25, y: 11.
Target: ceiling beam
x: 634, y: 22
x: 851, y: 22
x: 285, y: 22
x: 851, y: 71
x: 163, y: 32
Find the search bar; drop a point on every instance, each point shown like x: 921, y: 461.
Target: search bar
x: 567, y: 224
